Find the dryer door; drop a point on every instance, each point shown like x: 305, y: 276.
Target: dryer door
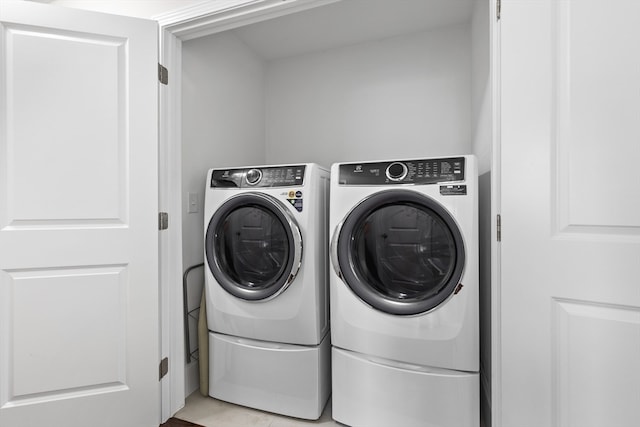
x: 253, y: 246
x: 399, y: 251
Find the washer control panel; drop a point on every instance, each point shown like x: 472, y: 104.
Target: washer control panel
x: 276, y: 176
x: 425, y: 171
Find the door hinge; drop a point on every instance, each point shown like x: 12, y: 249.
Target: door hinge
x: 163, y: 221
x: 164, y: 367
x: 498, y: 9
x: 499, y: 228
x: 163, y: 74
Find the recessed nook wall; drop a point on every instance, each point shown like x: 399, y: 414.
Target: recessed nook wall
x: 412, y: 93
x: 401, y: 97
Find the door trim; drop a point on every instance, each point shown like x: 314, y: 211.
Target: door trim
x: 495, y: 403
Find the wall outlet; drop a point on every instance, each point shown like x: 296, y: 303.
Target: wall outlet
x: 193, y: 203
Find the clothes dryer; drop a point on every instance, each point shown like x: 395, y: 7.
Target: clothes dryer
x: 404, y: 292
x: 266, y: 259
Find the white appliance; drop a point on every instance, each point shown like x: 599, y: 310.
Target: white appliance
x: 404, y: 293
x: 266, y: 259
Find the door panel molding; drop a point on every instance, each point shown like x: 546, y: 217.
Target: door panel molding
x: 596, y: 357
x: 53, y: 188
x: 39, y: 352
x: 595, y: 144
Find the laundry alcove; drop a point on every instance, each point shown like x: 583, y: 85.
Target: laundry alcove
x: 320, y: 81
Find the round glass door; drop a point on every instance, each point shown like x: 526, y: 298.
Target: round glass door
x: 253, y: 246
x: 400, y: 252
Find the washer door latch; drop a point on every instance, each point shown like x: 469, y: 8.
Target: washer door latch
x: 460, y: 286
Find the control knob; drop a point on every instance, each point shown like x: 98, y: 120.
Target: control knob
x: 253, y: 176
x: 396, y: 171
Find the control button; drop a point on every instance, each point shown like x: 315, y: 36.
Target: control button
x: 253, y: 176
x: 396, y: 171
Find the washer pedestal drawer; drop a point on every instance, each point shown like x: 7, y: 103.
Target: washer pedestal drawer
x: 286, y: 379
x: 372, y: 392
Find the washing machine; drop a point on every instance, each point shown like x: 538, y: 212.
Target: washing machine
x: 266, y: 279
x: 404, y: 292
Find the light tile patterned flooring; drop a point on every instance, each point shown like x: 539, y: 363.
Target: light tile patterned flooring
x: 210, y: 412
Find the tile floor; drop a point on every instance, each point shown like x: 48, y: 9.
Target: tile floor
x: 210, y: 412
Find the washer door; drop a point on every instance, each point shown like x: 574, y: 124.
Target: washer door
x: 253, y: 246
x: 399, y: 251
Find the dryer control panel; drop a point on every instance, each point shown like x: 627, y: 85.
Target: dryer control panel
x: 425, y: 171
x: 258, y: 177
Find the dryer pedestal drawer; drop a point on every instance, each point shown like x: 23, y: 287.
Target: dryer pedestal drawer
x: 371, y: 392
x: 286, y: 379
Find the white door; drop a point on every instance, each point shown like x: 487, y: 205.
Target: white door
x: 570, y: 140
x: 79, y: 322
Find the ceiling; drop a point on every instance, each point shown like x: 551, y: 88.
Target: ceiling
x: 349, y: 22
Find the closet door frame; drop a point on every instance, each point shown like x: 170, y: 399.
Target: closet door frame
x: 175, y: 27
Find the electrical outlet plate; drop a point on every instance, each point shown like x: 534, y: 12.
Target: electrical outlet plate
x: 193, y: 203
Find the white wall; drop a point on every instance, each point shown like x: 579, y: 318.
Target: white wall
x: 401, y: 97
x: 222, y: 119
x: 222, y: 125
